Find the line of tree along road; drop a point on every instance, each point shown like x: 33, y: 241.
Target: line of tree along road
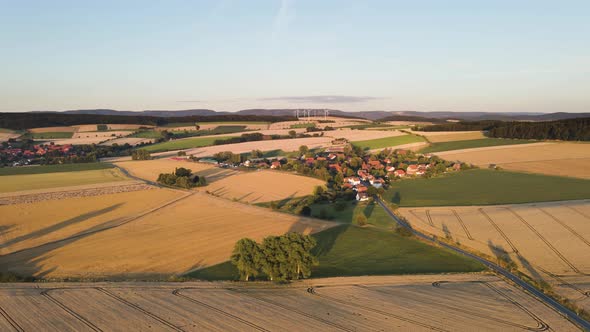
x: 279, y: 258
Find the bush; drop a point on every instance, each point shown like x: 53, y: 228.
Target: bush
x: 140, y: 154
x: 181, y: 171
x: 305, y: 211
x: 361, y: 220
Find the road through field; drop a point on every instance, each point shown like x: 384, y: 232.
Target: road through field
x: 572, y: 316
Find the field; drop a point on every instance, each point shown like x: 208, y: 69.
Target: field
x: 547, y: 241
x: 449, y: 136
x: 263, y: 186
x: 484, y: 187
x: 185, y: 143
x: 30, y: 225
x: 49, y: 135
x: 52, y: 129
x: 52, y: 168
x: 569, y: 159
x: 356, y: 251
x: 155, y: 134
x: 386, y: 142
x: 103, y: 134
x: 194, y: 232
x: 404, y: 303
x: 13, y: 183
x: 469, y: 144
x: 150, y: 169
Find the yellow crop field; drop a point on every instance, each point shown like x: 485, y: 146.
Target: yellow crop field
x: 30, y: 225
x: 449, y: 136
x: 547, y: 241
x: 404, y: 303
x: 13, y: 183
x: 263, y: 186
x: 150, y: 169
x: 196, y: 231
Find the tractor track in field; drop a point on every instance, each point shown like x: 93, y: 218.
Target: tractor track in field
x: 540, y: 327
x: 140, y: 309
x: 499, y: 230
x: 74, y: 314
x: 413, y: 212
x: 577, y: 211
x: 177, y: 292
x: 429, y: 218
x: 565, y: 282
x: 571, y: 230
x: 319, y: 319
x: 311, y: 290
x: 542, y: 238
x: 11, y: 321
x: 462, y: 224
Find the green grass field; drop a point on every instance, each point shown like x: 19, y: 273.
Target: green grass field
x: 473, y: 143
x: 51, y: 135
x: 484, y: 187
x: 302, y: 125
x: 356, y: 251
x: 147, y: 134
x: 220, y: 130
x: 368, y: 125
x: 42, y: 169
x: 386, y: 142
x: 187, y: 143
x: 12, y: 183
x: 341, y: 211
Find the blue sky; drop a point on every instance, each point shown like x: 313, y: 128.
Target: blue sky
x: 497, y: 56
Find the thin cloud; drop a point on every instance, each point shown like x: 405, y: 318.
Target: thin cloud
x: 190, y: 101
x: 326, y: 99
x: 283, y: 18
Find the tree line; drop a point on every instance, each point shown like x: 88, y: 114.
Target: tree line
x: 279, y: 258
x: 19, y: 121
x: 566, y: 130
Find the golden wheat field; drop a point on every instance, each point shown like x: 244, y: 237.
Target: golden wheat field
x: 263, y: 186
x: 53, y: 129
x: 195, y: 231
x: 569, y: 159
x: 150, y: 169
x: 547, y: 241
x: 404, y: 303
x: 29, y: 225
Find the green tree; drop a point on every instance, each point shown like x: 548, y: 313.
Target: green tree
x: 181, y: 171
x: 140, y: 154
x: 303, y: 149
x: 361, y: 219
x: 292, y: 133
x: 299, y: 255
x: 246, y: 257
x: 256, y: 154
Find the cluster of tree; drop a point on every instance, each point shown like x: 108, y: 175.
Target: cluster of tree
x: 462, y: 126
x: 102, y: 127
x: 248, y: 137
x: 279, y: 258
x: 141, y: 154
x: 566, y: 130
x: 314, y: 129
x: 19, y: 121
x: 183, y: 178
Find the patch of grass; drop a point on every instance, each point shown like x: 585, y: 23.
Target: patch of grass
x: 386, y: 142
x: 42, y: 169
x: 484, y: 187
x: 50, y: 135
x: 302, y: 125
x: 147, y: 134
x: 215, y: 131
x: 12, y: 183
x: 356, y: 251
x: 472, y: 143
x: 180, y: 124
x: 187, y: 143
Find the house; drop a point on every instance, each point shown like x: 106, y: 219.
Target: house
x: 390, y: 168
x: 457, y: 166
x: 412, y: 169
x: 420, y: 172
x: 309, y: 161
x: 353, y: 181
x: 335, y: 167
x: 376, y: 164
x: 377, y: 183
x: 361, y: 197
x: 275, y: 165
x: 363, y: 175
x: 332, y: 157
x: 399, y: 173
x: 361, y: 189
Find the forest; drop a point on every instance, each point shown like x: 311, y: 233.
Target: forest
x: 566, y: 130
x: 19, y: 121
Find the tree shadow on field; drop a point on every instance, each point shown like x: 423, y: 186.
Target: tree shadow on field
x: 447, y: 231
x: 326, y: 239
x: 59, y: 226
x: 397, y: 198
x: 368, y: 210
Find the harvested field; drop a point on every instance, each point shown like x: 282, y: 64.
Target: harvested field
x: 5, y: 136
x: 80, y: 141
x: 194, y: 232
x: 14, y: 183
x: 150, y: 169
x: 475, y: 143
x: 362, y: 135
x: 547, y: 241
x: 103, y: 134
x: 404, y: 303
x: 545, y: 158
x: 52, y: 129
x: 30, y: 225
x: 449, y: 136
x: 42, y: 169
x: 263, y: 186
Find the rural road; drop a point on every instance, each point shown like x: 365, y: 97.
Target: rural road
x: 499, y: 270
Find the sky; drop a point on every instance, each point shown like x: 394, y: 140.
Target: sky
x: 493, y: 56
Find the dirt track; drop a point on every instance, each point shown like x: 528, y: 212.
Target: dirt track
x: 416, y: 303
